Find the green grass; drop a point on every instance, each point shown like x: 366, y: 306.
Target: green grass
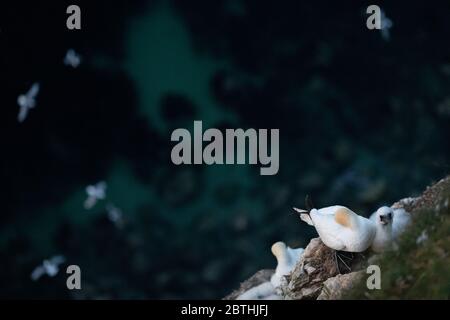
x: 418, y: 271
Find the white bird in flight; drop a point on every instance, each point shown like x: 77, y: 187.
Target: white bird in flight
x: 115, y: 214
x: 27, y: 101
x: 72, y: 58
x: 386, y: 24
x: 49, y: 267
x: 95, y: 192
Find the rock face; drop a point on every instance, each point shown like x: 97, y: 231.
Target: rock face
x: 315, y: 275
x: 319, y: 264
x: 323, y: 274
x: 336, y: 287
x: 316, y: 265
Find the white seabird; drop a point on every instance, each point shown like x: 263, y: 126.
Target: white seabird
x: 115, y: 214
x: 49, y: 267
x: 384, y: 238
x: 287, y: 258
x: 95, y: 192
x: 393, y: 223
x: 27, y: 101
x: 386, y: 24
x: 340, y: 228
x: 72, y: 58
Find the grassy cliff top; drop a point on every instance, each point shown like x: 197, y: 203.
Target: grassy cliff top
x: 420, y: 268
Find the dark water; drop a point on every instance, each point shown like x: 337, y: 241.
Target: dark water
x: 363, y: 122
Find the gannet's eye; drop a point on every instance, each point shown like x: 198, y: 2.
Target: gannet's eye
x: 390, y: 215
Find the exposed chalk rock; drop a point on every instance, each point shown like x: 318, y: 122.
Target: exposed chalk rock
x: 336, y: 287
x: 304, y: 282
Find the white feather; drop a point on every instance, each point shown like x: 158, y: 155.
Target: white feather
x: 356, y: 238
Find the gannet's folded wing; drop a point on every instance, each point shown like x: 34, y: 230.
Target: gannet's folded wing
x: 336, y: 216
x: 331, y: 232
x: 331, y: 210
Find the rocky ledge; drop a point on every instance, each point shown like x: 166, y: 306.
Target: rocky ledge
x: 320, y: 274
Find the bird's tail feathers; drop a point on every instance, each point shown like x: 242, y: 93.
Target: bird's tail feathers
x: 304, y: 215
x: 306, y: 218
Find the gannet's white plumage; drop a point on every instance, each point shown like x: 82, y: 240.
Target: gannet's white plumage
x: 402, y: 219
x: 287, y: 258
x: 72, y: 58
x: 27, y: 101
x: 340, y: 228
x: 391, y: 223
x: 264, y: 291
x: 286, y: 261
x: 95, y: 192
x: 49, y: 267
x: 383, y: 220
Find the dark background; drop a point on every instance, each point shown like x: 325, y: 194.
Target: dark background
x: 363, y: 122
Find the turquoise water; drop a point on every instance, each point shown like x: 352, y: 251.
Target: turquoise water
x: 162, y: 59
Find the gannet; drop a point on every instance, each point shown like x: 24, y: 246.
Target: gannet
x: 115, y: 215
x: 400, y: 221
x: 95, y: 193
x: 72, y: 59
x: 383, y: 219
x: 287, y: 258
x: 386, y: 24
x: 286, y: 261
x: 340, y: 228
x: 49, y: 267
x: 27, y: 101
